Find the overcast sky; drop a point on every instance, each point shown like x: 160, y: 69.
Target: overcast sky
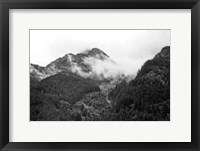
x: 130, y: 48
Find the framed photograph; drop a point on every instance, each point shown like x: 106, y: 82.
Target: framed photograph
x: 99, y: 75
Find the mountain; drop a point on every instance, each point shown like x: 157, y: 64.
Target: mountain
x: 80, y: 64
x: 68, y: 86
x: 37, y: 72
x: 79, y: 87
x: 147, y: 96
x: 53, y: 97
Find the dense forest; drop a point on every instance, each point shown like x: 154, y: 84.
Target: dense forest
x: 68, y: 96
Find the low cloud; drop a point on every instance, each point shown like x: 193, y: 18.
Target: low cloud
x: 108, y: 69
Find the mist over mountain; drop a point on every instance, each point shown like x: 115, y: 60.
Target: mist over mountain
x: 94, y: 64
x: 90, y: 86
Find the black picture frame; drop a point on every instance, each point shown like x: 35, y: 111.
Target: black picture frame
x: 5, y: 5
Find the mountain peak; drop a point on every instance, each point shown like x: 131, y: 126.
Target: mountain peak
x: 164, y: 53
x: 80, y: 63
x: 95, y: 51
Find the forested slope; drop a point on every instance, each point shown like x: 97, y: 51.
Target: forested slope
x: 147, y: 97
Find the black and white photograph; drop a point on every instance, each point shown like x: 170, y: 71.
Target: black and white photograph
x: 99, y: 74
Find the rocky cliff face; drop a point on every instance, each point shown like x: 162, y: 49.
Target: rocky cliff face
x: 80, y: 64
